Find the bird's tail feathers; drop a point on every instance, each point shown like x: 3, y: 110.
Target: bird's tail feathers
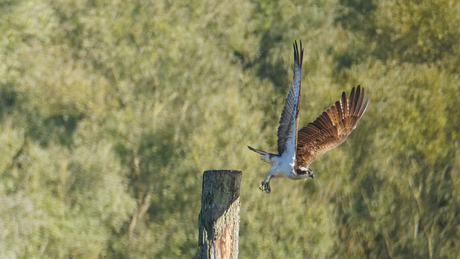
x: 258, y: 151
x: 266, y: 157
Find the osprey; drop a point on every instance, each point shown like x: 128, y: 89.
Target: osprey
x: 298, y: 149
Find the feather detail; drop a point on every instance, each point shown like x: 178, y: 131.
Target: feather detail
x: 331, y: 128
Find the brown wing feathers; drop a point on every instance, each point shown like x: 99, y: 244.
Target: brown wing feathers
x: 331, y: 128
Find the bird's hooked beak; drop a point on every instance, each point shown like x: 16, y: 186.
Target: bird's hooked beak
x: 309, y: 174
x: 307, y: 171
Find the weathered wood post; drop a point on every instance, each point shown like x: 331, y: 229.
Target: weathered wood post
x: 219, y: 219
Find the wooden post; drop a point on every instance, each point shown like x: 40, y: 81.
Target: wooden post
x: 219, y: 219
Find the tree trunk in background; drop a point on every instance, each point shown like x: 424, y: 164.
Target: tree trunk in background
x: 219, y: 219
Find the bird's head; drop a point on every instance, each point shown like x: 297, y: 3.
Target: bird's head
x: 306, y: 172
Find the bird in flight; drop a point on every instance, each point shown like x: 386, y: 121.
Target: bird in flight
x: 298, y: 149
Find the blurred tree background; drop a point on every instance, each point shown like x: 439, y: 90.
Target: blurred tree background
x: 111, y: 110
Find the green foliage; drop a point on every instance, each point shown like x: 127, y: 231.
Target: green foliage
x: 111, y: 110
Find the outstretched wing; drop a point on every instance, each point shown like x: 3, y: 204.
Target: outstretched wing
x: 287, y: 130
x: 331, y: 128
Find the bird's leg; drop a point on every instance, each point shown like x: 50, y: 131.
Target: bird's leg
x: 267, y: 184
x: 264, y: 185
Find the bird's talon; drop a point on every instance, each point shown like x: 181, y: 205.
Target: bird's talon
x: 262, y: 186
x: 265, y: 187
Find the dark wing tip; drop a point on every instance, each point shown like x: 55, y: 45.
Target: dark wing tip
x: 351, y: 101
x: 352, y: 93
x: 301, y: 53
x: 358, y: 93
x: 343, y: 103
x: 298, y: 55
x: 294, y: 45
x: 358, y: 101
